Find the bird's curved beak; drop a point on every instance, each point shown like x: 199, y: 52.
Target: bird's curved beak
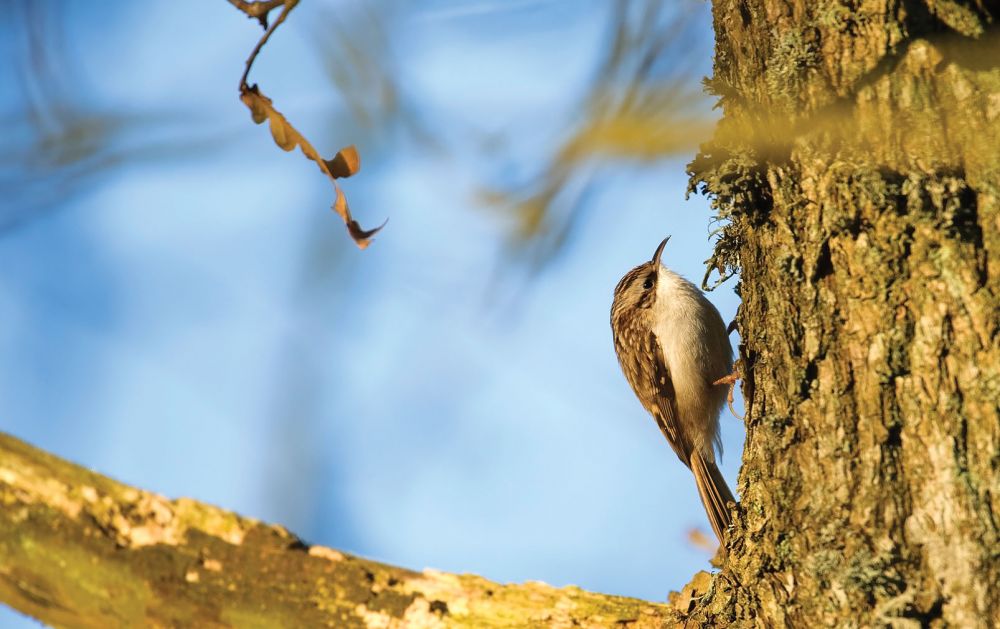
x: 659, y: 250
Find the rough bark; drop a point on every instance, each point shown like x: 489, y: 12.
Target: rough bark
x: 78, y: 549
x: 857, y: 168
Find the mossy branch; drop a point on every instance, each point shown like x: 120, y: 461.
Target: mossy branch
x: 81, y: 550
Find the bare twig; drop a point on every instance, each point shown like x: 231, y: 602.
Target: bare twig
x: 261, y: 14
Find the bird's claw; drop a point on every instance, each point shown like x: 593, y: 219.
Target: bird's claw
x: 731, y: 381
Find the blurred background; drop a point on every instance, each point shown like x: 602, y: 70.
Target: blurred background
x: 180, y: 310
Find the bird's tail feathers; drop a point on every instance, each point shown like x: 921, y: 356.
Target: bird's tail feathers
x: 714, y: 493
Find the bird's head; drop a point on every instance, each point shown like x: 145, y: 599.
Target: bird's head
x: 637, y: 289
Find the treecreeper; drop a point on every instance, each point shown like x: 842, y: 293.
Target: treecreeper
x: 674, y: 350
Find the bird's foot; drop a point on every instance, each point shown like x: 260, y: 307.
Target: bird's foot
x: 731, y: 381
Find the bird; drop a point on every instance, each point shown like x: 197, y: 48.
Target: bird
x: 673, y: 348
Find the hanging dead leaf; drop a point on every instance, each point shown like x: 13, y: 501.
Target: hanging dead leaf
x: 362, y: 237
x: 283, y: 133
x: 340, y: 206
x: 345, y: 163
x: 257, y: 102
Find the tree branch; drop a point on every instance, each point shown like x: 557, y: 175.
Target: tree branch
x: 81, y: 550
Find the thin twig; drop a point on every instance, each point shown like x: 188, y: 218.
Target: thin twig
x: 252, y: 11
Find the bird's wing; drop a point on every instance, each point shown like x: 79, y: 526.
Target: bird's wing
x: 664, y: 410
x: 646, y: 370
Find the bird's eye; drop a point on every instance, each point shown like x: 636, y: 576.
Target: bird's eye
x: 648, y: 283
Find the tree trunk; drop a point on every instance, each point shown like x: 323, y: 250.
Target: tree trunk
x: 857, y: 168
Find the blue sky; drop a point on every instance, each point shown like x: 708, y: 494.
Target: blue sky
x: 199, y: 324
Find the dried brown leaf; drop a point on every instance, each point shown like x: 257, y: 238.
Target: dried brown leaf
x: 340, y: 206
x: 361, y: 236
x: 258, y: 104
x: 345, y: 163
x: 283, y: 133
x: 258, y: 10
x: 698, y: 539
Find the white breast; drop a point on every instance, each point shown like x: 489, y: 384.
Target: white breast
x: 697, y: 352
